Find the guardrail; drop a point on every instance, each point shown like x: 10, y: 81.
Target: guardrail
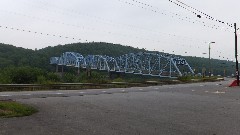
x: 70, y: 86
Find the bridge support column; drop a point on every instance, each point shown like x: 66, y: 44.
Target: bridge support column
x: 62, y: 70
x: 89, y: 72
x: 78, y: 71
x: 57, y: 68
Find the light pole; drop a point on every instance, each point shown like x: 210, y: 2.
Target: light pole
x: 210, y: 58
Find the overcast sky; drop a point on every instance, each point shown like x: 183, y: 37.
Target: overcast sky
x: 152, y: 24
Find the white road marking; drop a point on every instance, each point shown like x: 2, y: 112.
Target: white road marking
x: 26, y: 94
x: 104, y: 91
x: 219, y: 92
x: 82, y: 92
x: 156, y: 88
x: 59, y: 93
x: 193, y: 90
x: 5, y: 95
x: 123, y: 90
x: 206, y: 91
x: 201, y: 85
x: 140, y: 89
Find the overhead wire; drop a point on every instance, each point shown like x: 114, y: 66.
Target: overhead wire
x: 176, y: 52
x: 108, y: 21
x: 144, y: 4
x: 184, y: 5
x: 40, y: 33
x: 173, y: 15
x: 83, y: 27
x: 74, y: 38
x: 53, y: 21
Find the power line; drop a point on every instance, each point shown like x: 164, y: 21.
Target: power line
x: 55, y: 35
x: 62, y: 23
x: 111, y: 22
x: 129, y: 26
x: 83, y: 27
x: 78, y: 39
x: 174, y: 50
x: 41, y: 33
x: 184, y: 5
x: 173, y: 15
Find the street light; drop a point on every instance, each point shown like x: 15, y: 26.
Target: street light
x: 210, y: 58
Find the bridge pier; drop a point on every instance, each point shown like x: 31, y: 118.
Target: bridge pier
x: 78, y: 71
x: 89, y: 71
x: 57, y: 68
x: 62, y: 69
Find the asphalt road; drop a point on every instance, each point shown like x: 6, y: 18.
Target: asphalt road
x: 187, y: 109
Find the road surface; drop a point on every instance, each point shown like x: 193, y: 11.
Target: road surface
x: 209, y: 108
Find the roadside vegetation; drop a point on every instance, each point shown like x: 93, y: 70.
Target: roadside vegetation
x: 29, y: 75
x: 189, y: 79
x: 13, y: 109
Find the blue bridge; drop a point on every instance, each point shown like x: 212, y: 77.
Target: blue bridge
x: 144, y: 63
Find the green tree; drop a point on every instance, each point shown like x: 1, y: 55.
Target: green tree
x: 20, y: 75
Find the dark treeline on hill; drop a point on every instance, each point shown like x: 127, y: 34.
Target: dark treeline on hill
x: 16, y: 56
x: 11, y: 56
x: 218, y: 67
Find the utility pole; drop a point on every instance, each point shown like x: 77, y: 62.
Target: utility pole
x: 236, y: 54
x: 209, y: 59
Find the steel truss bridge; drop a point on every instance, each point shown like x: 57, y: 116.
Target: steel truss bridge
x: 144, y: 63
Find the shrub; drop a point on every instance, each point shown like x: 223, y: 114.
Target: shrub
x: 53, y: 77
x: 20, y: 75
x: 69, y: 78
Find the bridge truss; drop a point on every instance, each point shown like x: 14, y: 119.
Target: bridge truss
x: 153, y: 64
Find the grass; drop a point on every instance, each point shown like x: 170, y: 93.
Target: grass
x: 189, y: 79
x: 10, y: 109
